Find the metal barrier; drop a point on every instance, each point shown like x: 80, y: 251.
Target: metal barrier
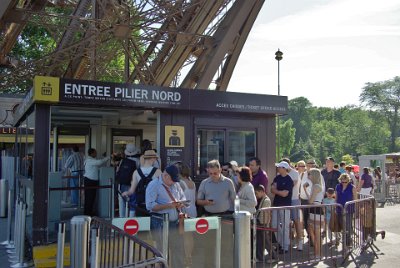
x: 242, y: 239
x: 80, y: 227
x: 3, y: 197
x: 119, y: 249
x: 60, y: 245
x: 353, y: 233
x: 360, y: 228
x: 285, y: 247
x: 9, y: 243
x: 17, y: 253
x: 386, y: 192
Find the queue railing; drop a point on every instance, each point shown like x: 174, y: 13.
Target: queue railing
x: 311, y: 243
x: 360, y: 227
x: 117, y: 248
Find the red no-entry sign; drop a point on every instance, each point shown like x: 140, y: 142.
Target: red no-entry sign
x: 131, y: 226
x: 202, y: 226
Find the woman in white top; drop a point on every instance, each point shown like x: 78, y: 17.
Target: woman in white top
x: 316, y: 217
x: 247, y: 197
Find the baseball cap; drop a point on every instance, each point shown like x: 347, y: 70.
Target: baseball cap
x: 283, y: 164
x: 330, y: 158
x: 173, y: 172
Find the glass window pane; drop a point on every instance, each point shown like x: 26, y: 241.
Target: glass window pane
x: 242, y: 146
x: 211, y: 145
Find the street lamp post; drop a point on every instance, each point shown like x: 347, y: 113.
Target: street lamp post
x: 278, y: 57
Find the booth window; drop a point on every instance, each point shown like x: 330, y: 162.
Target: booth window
x: 224, y: 145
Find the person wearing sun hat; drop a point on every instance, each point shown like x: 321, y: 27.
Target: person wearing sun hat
x: 164, y: 195
x: 149, y: 157
x: 124, y: 173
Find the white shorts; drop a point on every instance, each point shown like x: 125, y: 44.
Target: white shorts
x: 366, y: 191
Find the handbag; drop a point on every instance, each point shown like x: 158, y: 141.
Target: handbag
x: 334, y: 223
x: 181, y: 216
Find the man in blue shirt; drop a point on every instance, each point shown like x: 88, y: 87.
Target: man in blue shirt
x: 282, y: 188
x: 165, y: 196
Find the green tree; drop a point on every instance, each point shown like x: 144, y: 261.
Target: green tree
x: 300, y: 112
x: 287, y: 134
x: 348, y: 159
x: 385, y: 97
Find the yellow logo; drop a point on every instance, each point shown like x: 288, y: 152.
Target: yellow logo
x: 175, y: 136
x: 46, y: 88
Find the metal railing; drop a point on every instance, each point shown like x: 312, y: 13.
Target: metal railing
x: 354, y: 233
x: 112, y: 247
x: 17, y: 251
x: 360, y: 228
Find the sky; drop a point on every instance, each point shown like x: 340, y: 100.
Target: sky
x: 331, y: 49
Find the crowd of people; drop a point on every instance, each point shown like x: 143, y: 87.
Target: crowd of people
x: 172, y: 191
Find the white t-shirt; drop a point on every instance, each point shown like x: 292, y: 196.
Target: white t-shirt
x: 296, y: 183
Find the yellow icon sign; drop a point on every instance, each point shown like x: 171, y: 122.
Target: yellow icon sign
x: 46, y: 88
x: 174, y: 136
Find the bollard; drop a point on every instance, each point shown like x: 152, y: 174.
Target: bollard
x: 8, y: 243
x: 218, y: 245
x: 80, y: 226
x: 3, y: 197
x: 94, y: 249
x: 14, y: 245
x: 20, y: 250
x: 165, y: 233
x: 242, y: 254
x: 254, y: 238
x: 60, y: 245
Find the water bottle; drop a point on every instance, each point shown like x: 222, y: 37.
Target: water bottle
x: 237, y: 204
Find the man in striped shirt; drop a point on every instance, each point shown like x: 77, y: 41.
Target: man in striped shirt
x: 75, y: 164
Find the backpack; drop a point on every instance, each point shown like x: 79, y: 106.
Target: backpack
x: 125, y: 171
x: 141, y: 187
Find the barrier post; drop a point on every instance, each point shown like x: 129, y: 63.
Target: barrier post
x: 79, y: 241
x: 218, y: 245
x: 60, y: 245
x: 165, y: 233
x: 111, y: 198
x: 242, y: 254
x: 20, y: 250
x: 94, y: 250
x: 14, y: 245
x: 8, y: 243
x: 3, y: 197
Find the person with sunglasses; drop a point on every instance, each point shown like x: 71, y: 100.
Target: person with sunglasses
x: 345, y: 192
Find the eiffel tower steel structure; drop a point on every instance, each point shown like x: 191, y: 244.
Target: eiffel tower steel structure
x: 189, y: 44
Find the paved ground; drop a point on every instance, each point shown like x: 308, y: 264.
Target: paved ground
x: 388, y: 219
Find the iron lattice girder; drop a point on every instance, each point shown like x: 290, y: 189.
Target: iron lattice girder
x: 157, y: 39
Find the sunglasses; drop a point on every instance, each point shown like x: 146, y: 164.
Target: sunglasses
x: 301, y: 166
x: 345, y: 181
x: 225, y: 169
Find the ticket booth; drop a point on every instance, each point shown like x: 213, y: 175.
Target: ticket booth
x: 193, y: 126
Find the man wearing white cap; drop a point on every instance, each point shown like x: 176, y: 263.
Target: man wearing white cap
x: 282, y: 188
